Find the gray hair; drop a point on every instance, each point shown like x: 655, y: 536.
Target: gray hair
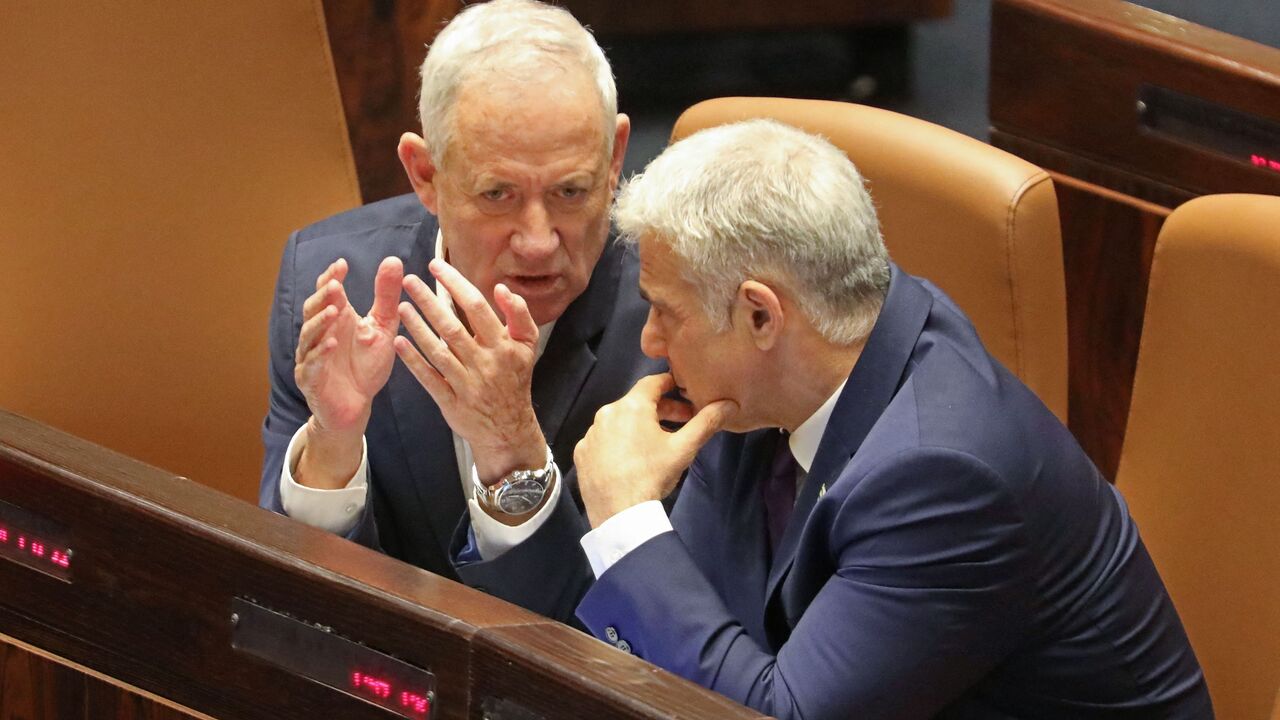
x: 508, y: 38
x: 759, y: 199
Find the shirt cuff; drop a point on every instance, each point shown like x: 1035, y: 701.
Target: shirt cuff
x: 623, y: 533
x: 493, y: 538
x: 334, y: 510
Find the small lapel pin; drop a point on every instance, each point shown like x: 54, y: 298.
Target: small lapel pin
x: 822, y: 490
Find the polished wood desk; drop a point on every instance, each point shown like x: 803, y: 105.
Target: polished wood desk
x: 127, y: 592
x: 1133, y: 112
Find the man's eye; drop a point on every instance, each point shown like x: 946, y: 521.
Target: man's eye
x: 494, y: 195
x: 572, y: 193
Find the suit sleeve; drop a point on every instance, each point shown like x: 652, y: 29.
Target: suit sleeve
x: 928, y: 591
x: 547, y: 573
x: 287, y: 408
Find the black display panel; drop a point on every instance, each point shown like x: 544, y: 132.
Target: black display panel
x: 317, y: 653
x: 1242, y: 136
x: 34, y: 541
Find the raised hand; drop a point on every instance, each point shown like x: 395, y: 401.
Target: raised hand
x: 627, y: 458
x: 479, y: 373
x: 342, y: 361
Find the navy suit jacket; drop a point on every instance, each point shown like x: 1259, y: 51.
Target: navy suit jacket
x: 953, y: 553
x: 415, y: 494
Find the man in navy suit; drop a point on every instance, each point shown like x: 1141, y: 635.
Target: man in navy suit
x: 513, y: 178
x: 893, y: 526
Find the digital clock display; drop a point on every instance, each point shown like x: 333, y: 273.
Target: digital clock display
x: 33, y: 541
x: 317, y: 653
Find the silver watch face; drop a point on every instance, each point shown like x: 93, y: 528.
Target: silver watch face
x: 521, y: 495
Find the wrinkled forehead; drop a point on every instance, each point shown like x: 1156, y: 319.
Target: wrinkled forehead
x: 662, y: 271
x: 531, y: 114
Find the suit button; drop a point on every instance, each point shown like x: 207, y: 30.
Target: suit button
x: 611, y: 634
x: 624, y: 646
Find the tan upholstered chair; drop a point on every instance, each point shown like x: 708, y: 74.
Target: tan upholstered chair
x: 1200, y: 466
x: 977, y: 221
x: 153, y: 158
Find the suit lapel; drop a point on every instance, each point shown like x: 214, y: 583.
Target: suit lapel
x: 559, y: 375
x: 746, y: 567
x: 425, y: 436
x: 570, y: 356
x: 871, y: 386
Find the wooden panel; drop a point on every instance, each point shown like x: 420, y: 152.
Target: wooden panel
x: 523, y: 662
x: 33, y: 688
x: 605, y: 16
x: 1065, y: 79
x: 159, y: 559
x: 377, y: 49
x: 1108, y: 281
x: 1066, y: 73
x: 108, y: 702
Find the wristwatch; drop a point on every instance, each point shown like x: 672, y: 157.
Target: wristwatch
x: 519, y: 491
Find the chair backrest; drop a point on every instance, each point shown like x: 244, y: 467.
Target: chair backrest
x: 154, y: 157
x: 977, y: 221
x: 1200, y: 467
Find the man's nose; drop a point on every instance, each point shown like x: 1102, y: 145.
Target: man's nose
x: 651, y: 341
x: 536, y: 238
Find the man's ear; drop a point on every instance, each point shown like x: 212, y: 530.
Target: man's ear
x: 621, y: 136
x: 420, y: 167
x: 757, y: 310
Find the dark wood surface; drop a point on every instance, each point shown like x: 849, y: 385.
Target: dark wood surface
x: 377, y: 48
x: 159, y: 559
x: 655, y: 16
x: 33, y: 688
x: 1065, y: 78
x: 109, y: 702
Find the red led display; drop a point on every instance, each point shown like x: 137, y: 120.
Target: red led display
x: 1265, y: 162
x: 318, y: 653
x: 417, y: 703
x: 33, y: 541
x: 34, y: 549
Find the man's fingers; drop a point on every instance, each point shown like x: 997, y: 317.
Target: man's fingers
x: 435, y: 349
x: 329, y: 294
x: 386, y: 293
x: 337, y: 270
x: 674, y: 410
x: 706, y: 423
x: 445, y: 324
x: 309, y: 367
x: 431, y: 379
x: 469, y: 301
x: 652, y: 387
x: 314, y: 330
x: 520, y: 324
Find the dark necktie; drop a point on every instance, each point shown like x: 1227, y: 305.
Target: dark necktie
x: 779, y: 491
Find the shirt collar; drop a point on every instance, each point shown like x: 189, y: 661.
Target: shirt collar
x: 544, y: 331
x: 804, y: 441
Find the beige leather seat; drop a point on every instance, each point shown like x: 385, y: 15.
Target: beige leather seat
x: 154, y: 157
x: 1200, y: 466
x: 977, y: 221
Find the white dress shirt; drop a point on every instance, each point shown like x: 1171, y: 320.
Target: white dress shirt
x: 636, y: 525
x: 338, y: 510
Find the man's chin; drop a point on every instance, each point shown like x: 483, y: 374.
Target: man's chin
x: 544, y: 312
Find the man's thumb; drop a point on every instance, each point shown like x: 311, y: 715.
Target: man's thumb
x: 708, y: 422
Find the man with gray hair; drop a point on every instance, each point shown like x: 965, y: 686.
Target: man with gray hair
x: 893, y: 526
x: 504, y: 242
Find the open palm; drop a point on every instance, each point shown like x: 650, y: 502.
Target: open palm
x: 343, y: 360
